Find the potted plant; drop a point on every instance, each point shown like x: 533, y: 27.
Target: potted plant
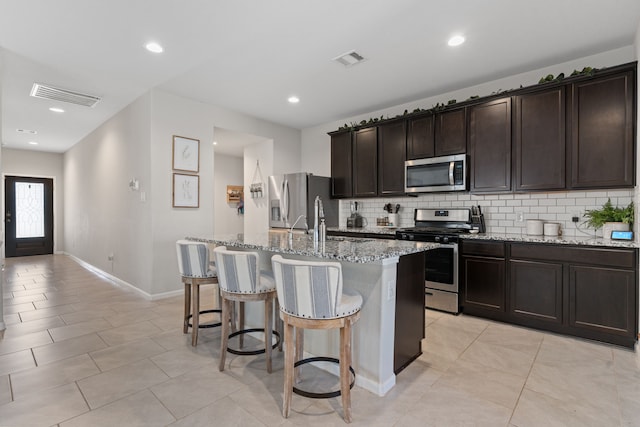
x: 610, y: 218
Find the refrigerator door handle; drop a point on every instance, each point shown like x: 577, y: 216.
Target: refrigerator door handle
x: 287, y: 200
x: 283, y: 212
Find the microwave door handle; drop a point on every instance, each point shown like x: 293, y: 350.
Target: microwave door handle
x: 451, y: 180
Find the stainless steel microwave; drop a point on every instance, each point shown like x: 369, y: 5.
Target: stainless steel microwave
x: 447, y: 173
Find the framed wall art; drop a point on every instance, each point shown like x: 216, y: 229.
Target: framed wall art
x: 186, y: 191
x: 186, y: 154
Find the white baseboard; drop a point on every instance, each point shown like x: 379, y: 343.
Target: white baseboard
x: 120, y: 282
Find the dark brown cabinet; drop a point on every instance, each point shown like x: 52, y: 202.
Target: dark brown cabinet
x: 391, y: 156
x: 490, y: 146
x: 539, y: 140
x: 440, y: 134
x: 483, y: 277
x: 451, y: 133
x: 420, y: 137
x: 602, y: 300
x: 365, y: 162
x: 602, y: 132
x: 536, y: 290
x: 341, y: 165
x: 575, y: 290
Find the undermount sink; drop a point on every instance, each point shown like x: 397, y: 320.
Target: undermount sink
x: 347, y: 239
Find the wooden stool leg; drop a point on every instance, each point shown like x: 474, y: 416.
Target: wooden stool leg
x: 187, y: 307
x: 299, y: 355
x: 345, y: 362
x: 268, y: 328
x: 278, y: 321
x: 288, y: 369
x: 195, y: 319
x: 224, y: 339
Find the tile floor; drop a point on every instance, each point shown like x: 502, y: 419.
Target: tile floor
x: 81, y: 351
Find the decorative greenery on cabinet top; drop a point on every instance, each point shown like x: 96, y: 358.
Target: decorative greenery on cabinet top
x: 585, y: 73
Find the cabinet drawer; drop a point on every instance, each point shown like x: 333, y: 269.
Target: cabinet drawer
x: 495, y: 249
x: 621, y: 258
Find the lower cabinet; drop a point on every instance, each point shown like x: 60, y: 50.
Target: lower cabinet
x: 575, y: 290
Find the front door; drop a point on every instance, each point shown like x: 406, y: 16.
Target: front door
x: 28, y: 216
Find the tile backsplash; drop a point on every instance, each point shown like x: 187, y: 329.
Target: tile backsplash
x: 501, y: 211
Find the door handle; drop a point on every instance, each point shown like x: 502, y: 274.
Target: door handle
x: 8, y: 216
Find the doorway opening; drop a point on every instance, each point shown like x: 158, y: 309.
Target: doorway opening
x: 28, y: 217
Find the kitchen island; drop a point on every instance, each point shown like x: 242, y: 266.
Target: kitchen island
x: 389, y: 274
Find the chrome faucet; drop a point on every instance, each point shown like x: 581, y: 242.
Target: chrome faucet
x: 318, y: 213
x: 306, y: 226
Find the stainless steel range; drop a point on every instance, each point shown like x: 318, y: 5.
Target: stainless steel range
x: 443, y: 226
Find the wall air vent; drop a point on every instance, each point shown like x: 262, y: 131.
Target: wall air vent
x: 349, y: 59
x: 49, y: 92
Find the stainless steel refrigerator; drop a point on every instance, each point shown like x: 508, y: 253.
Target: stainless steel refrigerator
x: 293, y: 195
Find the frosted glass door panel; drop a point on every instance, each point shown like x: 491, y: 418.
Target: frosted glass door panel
x: 29, y: 210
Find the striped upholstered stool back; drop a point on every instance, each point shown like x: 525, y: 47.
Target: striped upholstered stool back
x: 193, y: 259
x: 310, y: 289
x: 238, y: 271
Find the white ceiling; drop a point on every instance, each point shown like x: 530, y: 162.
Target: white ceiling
x: 251, y: 55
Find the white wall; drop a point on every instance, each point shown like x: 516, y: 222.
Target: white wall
x: 102, y: 216
x: 40, y: 164
x: 174, y: 115
x: 227, y: 170
x: 256, y: 210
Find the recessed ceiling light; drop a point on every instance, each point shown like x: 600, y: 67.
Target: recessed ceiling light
x: 215, y: 142
x: 154, y: 47
x: 33, y: 143
x: 456, y: 40
x: 30, y: 132
x: 56, y: 110
x: 293, y: 99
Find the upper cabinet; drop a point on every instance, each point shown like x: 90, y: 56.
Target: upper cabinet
x: 440, y: 134
x: 573, y: 133
x: 341, y: 167
x: 490, y: 146
x: 420, y: 139
x: 602, y: 132
x: 539, y: 140
x: 451, y: 132
x: 391, y: 156
x: 365, y: 162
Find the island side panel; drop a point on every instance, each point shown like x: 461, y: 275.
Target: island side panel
x: 410, y: 314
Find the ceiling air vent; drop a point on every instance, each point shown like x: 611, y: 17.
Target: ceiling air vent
x: 55, y: 93
x: 349, y: 59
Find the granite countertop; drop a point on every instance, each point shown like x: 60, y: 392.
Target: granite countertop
x: 348, y: 249
x: 560, y: 240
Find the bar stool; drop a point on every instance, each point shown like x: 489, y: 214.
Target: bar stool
x: 196, y: 270
x: 311, y: 297
x: 241, y: 281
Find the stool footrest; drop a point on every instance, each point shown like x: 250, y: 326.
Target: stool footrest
x: 206, y: 325
x: 321, y: 395
x: 252, y: 352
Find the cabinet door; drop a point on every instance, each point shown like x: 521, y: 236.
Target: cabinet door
x: 602, y: 300
x: 536, y: 291
x: 484, y: 283
x: 365, y: 162
x: 539, y: 140
x: 420, y: 138
x: 392, y: 139
x: 451, y: 133
x: 602, y: 125
x: 341, y: 167
x: 490, y: 145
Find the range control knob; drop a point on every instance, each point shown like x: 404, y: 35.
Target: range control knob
x: 437, y: 239
x: 445, y: 240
